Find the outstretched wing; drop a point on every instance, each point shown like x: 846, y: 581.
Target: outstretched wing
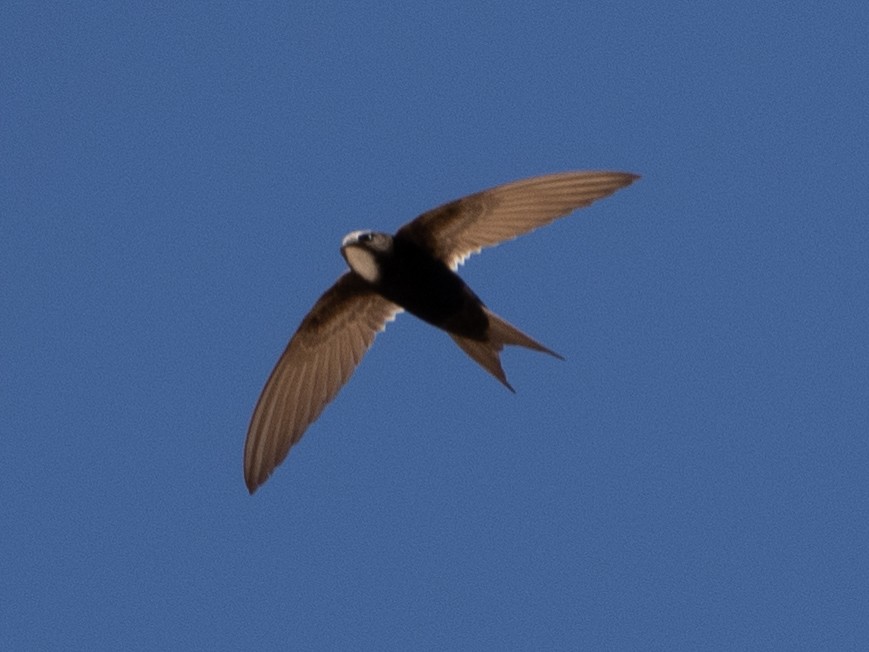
x: 454, y: 231
x: 319, y: 359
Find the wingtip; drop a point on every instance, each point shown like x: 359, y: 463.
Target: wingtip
x: 625, y: 178
x: 253, y: 481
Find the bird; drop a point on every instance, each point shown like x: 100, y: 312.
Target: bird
x: 413, y: 270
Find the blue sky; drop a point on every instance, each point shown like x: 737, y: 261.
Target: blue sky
x: 175, y: 184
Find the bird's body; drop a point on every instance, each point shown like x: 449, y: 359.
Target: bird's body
x: 425, y: 287
x: 413, y: 270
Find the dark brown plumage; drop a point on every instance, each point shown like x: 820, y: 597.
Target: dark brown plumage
x: 412, y: 270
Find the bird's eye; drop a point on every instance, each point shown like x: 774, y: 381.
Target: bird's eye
x: 366, y: 237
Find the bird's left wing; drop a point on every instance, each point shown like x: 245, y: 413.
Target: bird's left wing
x: 319, y: 359
x: 455, y: 230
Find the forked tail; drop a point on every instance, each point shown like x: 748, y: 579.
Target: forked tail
x: 500, y: 334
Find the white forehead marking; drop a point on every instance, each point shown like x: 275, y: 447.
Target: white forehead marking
x: 362, y: 262
x: 352, y: 237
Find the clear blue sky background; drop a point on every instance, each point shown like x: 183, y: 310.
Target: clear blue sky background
x: 175, y: 182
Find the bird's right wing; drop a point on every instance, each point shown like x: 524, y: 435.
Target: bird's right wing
x: 319, y: 359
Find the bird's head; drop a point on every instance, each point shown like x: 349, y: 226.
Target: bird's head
x: 364, y: 251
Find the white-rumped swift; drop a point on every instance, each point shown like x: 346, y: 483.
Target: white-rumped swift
x: 413, y: 270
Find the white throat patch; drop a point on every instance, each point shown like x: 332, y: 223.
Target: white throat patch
x: 363, y: 263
